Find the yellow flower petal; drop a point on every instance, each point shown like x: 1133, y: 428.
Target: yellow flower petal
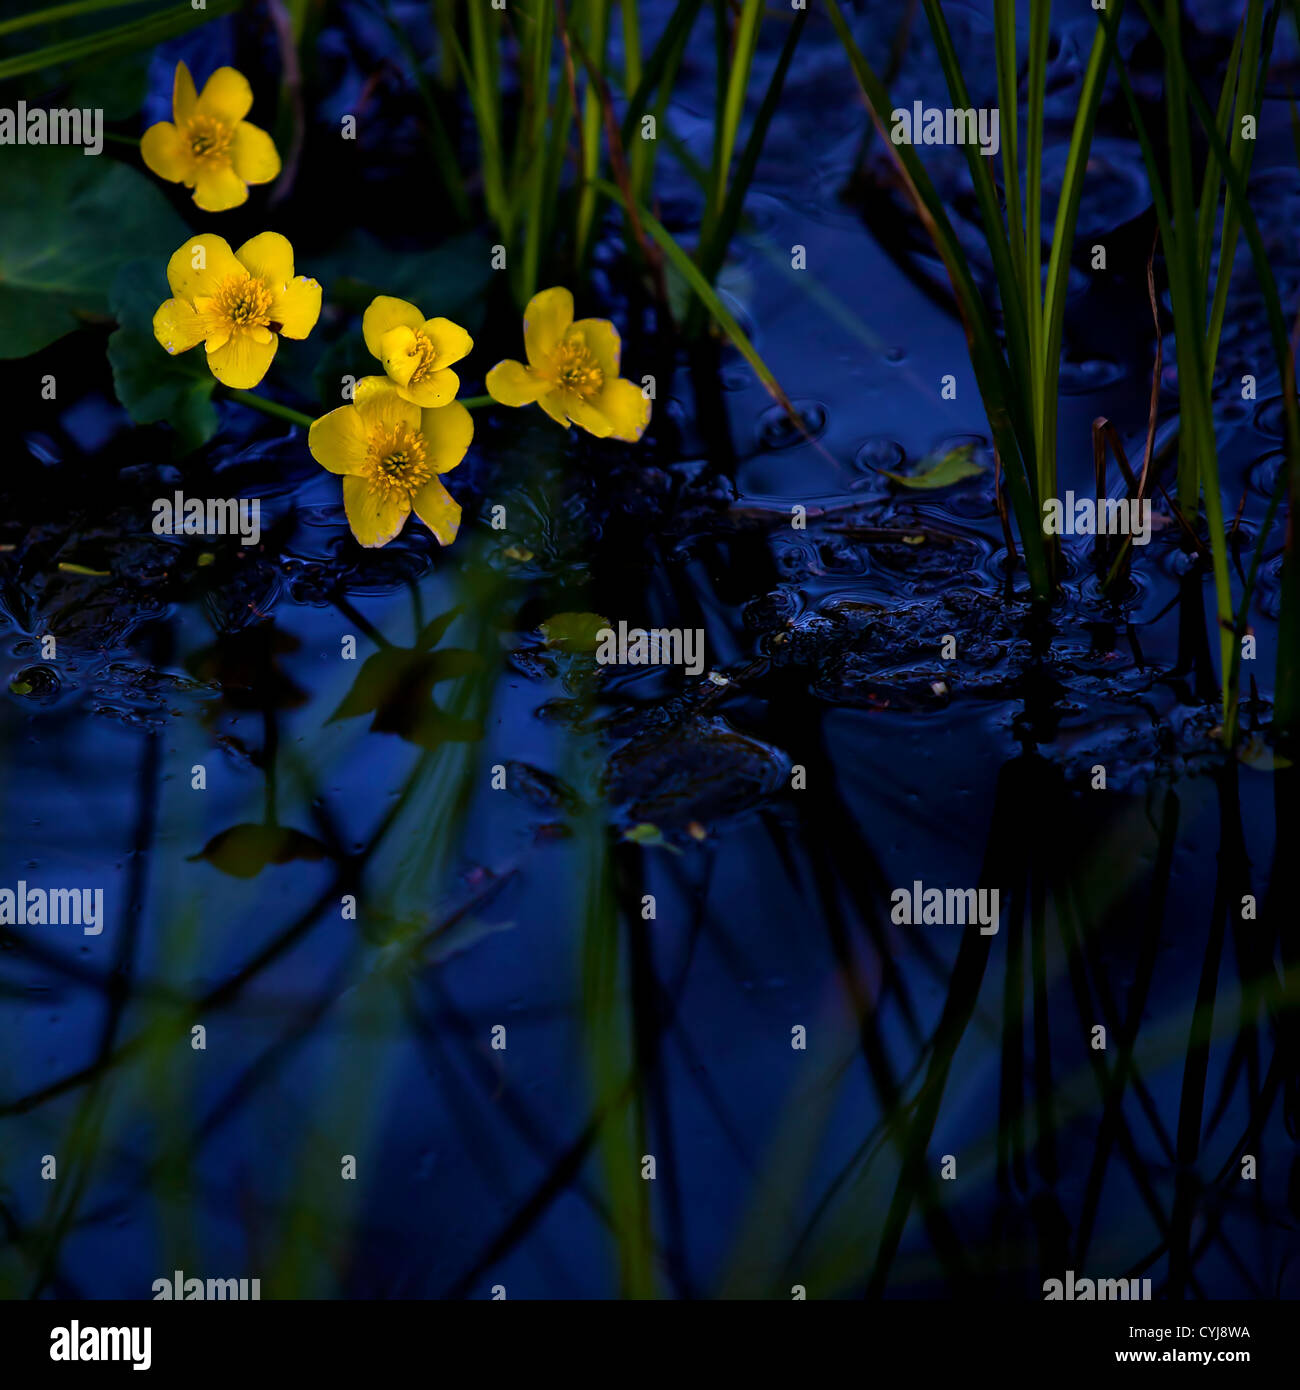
x: 177, y: 327
x: 226, y: 95
x: 241, y: 361
x: 297, y: 307
x: 270, y: 257
x: 450, y: 341
x: 438, y: 509
x: 437, y: 389
x: 218, y: 188
x: 184, y: 97
x: 166, y: 152
x: 369, y: 388
x: 511, y: 383
x: 201, y: 265
x: 397, y: 351
x: 384, y: 314
x: 624, y: 405
x: 338, y: 440
x: 253, y: 154
x: 375, y: 517
x: 548, y: 314
x: 380, y: 405
x: 553, y: 404
x: 602, y: 339
x: 585, y: 414
x: 448, y: 432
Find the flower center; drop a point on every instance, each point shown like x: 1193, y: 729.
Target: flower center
x: 209, y: 139
x: 425, y: 355
x: 396, y: 460
x: 243, y: 303
x: 576, y: 370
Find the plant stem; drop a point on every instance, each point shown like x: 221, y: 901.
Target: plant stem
x: 282, y: 412
x: 476, y: 402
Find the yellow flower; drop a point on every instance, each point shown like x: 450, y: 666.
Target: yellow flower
x: 572, y: 371
x: 416, y: 353
x: 211, y: 148
x: 390, y: 452
x: 236, y: 302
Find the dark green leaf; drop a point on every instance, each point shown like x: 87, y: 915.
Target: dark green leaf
x: 68, y: 222
x: 152, y: 384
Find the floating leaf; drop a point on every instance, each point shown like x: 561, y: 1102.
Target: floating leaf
x: 245, y: 850
x: 67, y: 224
x: 949, y: 468
x: 574, y: 632
x: 152, y: 384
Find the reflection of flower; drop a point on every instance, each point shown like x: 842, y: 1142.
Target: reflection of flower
x: 210, y: 147
x: 417, y: 353
x: 572, y: 371
x: 390, y: 452
x: 236, y: 302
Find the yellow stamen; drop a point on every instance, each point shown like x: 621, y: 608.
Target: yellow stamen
x: 575, y: 369
x: 243, y: 303
x: 396, y: 460
x: 425, y: 354
x: 208, y: 138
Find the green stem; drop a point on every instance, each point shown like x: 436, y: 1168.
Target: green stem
x: 282, y: 412
x: 132, y: 140
x: 477, y: 402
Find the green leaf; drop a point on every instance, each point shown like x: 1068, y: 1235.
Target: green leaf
x: 574, y: 632
x: 152, y: 384
x: 449, y: 281
x: 76, y: 42
x: 943, y: 471
x: 68, y: 222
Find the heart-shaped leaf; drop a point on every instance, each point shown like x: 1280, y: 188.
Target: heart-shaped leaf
x: 152, y: 384
x: 68, y: 222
